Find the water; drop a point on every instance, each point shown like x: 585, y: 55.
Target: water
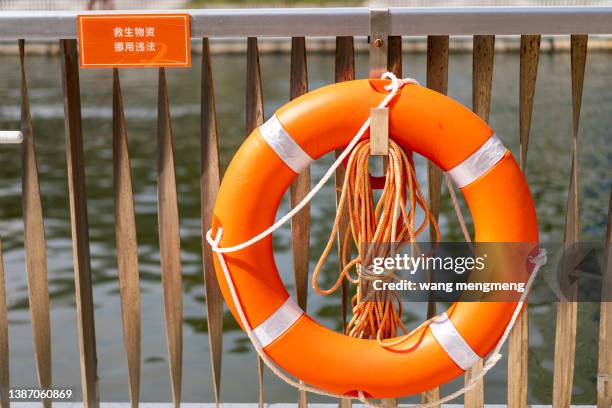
x: 548, y: 171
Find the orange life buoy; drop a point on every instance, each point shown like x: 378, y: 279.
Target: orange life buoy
x: 303, y: 130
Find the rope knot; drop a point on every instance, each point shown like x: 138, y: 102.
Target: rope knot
x: 369, y: 274
x: 214, y: 243
x: 397, y: 83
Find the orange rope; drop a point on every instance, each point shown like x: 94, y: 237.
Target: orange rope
x: 377, y: 231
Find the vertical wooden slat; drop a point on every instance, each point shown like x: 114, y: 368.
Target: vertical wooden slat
x: 482, y: 79
x: 604, y: 366
x: 482, y: 74
x: 567, y: 311
x: 169, y: 239
x: 394, y: 65
x: 394, y: 55
x: 254, y: 118
x: 209, y: 186
x: 344, y: 71
x: 254, y: 90
x: 530, y: 55
x: 79, y: 222
x: 4, y: 346
x: 519, y: 337
x: 437, y: 79
x: 437, y: 63
x: 34, y: 239
x: 300, y: 223
x: 127, y: 247
x: 518, y: 342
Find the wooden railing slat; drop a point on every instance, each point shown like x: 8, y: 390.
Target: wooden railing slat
x: 4, y: 345
x: 34, y: 240
x: 169, y: 240
x: 437, y: 63
x: 518, y: 342
x: 209, y: 186
x: 344, y: 71
x: 394, y: 55
x: 254, y: 118
x: 127, y: 246
x: 530, y: 55
x: 300, y: 223
x: 254, y: 90
x: 482, y: 74
x: 567, y: 311
x: 482, y: 81
x: 604, y: 366
x: 437, y: 79
x: 394, y: 65
x: 79, y: 222
x: 579, y: 44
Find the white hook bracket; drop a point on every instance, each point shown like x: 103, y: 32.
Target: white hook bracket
x: 379, y: 131
x: 11, y: 137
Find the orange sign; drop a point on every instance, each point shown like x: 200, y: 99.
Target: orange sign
x: 134, y: 40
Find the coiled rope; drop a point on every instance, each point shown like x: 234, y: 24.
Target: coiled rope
x: 377, y: 231
x: 539, y: 260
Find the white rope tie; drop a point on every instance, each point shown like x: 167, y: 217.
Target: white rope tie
x: 539, y: 260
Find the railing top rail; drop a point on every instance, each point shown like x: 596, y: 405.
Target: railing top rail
x: 321, y: 22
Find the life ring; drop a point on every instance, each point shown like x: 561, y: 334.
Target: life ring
x: 303, y: 130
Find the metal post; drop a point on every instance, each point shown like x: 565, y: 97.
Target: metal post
x: 379, y: 39
x: 379, y: 118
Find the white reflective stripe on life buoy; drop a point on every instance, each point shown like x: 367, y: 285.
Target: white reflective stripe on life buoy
x: 453, y: 342
x: 283, y: 144
x: 481, y: 161
x: 278, y: 323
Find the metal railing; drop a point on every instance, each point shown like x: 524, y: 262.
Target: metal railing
x: 332, y: 22
x: 344, y: 24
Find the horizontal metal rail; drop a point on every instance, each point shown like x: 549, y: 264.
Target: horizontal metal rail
x: 321, y: 22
